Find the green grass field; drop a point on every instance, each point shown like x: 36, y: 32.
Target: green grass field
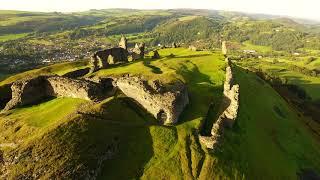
x: 260, y: 49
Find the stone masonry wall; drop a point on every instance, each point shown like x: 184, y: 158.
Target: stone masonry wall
x: 66, y: 87
x: 230, y: 111
x: 30, y: 91
x: 164, y: 104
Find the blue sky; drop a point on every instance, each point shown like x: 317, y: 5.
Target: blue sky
x: 296, y: 8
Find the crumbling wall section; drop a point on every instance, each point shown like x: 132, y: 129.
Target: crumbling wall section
x: 165, y: 104
x: 65, y: 87
x: 229, y: 113
x: 26, y: 92
x: 30, y: 91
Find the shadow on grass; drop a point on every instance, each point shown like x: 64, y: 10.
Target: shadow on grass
x: 135, y: 147
x: 202, y: 94
x: 5, y: 95
x: 155, y: 69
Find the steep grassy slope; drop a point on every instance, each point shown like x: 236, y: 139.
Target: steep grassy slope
x: 281, y: 69
x: 269, y: 140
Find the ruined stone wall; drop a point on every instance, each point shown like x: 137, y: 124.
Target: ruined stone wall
x: 224, y: 48
x: 102, y: 59
x: 30, y: 91
x: 165, y: 104
x: 26, y: 92
x: 138, y: 51
x: 230, y: 111
x: 66, y: 87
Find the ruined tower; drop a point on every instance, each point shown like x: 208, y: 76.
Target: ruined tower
x: 123, y: 43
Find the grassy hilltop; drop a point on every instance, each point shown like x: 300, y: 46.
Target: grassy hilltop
x: 65, y: 137
x: 275, y: 61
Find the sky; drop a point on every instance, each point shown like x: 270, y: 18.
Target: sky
x: 309, y: 9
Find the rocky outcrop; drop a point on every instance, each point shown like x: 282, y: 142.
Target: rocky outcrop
x: 30, y: 91
x: 228, y: 116
x: 164, y: 103
x: 138, y: 51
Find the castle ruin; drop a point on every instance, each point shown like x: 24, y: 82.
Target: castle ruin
x: 104, y: 58
x: 164, y: 103
x: 30, y: 91
x: 230, y: 104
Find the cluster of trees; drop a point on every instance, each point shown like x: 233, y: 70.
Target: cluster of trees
x: 188, y: 31
x: 283, y: 82
x: 282, y: 41
x: 304, y: 71
x: 271, y: 33
x: 313, y: 42
x: 121, y: 26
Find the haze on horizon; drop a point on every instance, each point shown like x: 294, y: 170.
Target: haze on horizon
x: 295, y: 8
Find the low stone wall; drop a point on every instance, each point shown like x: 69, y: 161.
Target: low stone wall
x: 229, y: 114
x: 30, y: 91
x: 165, y: 104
